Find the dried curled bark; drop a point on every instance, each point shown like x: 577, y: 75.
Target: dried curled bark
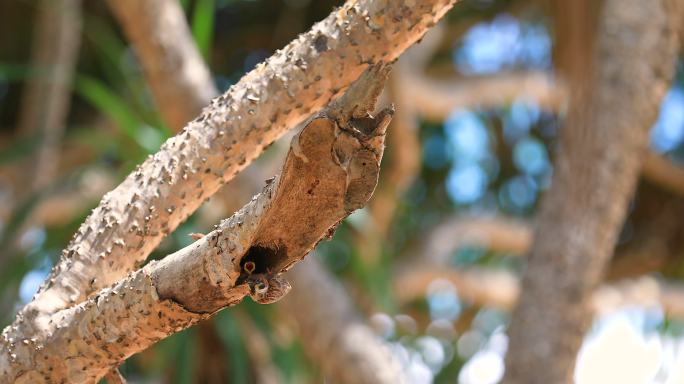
x: 330, y: 170
x: 132, y: 219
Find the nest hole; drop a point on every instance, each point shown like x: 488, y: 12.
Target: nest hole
x: 265, y: 258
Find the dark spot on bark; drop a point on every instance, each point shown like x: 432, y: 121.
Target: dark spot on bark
x: 321, y: 43
x: 313, y: 186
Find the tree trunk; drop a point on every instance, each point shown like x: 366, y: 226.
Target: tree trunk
x: 597, y: 165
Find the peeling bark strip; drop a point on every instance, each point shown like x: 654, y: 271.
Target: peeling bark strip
x: 601, y: 144
x: 132, y: 219
x: 330, y: 170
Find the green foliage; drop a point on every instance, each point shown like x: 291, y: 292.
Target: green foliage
x: 203, y: 26
x: 231, y: 336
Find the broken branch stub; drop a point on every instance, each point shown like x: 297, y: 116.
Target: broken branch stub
x: 330, y: 170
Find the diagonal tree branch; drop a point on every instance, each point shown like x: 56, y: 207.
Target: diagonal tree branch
x: 373, y: 360
x: 330, y: 170
x: 132, y: 219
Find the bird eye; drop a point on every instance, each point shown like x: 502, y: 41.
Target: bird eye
x: 261, y: 287
x: 249, y: 267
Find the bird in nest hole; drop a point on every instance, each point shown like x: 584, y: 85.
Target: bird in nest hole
x: 264, y: 288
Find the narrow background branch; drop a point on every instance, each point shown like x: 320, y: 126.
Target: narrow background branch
x: 170, y: 59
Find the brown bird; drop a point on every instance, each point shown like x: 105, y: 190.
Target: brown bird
x: 267, y: 288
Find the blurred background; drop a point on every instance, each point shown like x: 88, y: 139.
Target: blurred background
x: 431, y: 264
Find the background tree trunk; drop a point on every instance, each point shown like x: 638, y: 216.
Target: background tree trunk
x: 602, y: 142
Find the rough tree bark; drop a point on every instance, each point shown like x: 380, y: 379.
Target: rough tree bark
x: 331, y: 169
x: 136, y: 15
x: 132, y: 219
x: 596, y: 169
x: 170, y: 59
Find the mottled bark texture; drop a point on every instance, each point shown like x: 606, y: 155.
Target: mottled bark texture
x: 179, y: 78
x: 331, y: 328
x: 169, y: 57
x: 603, y: 139
x: 115, y: 377
x: 331, y: 169
x: 47, y: 96
x: 143, y: 24
x: 233, y: 130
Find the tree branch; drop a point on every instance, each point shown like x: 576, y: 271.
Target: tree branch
x: 498, y: 234
x: 436, y: 99
x: 47, y: 96
x: 170, y: 59
x: 330, y: 170
x: 160, y: 41
x: 663, y: 172
x: 501, y: 289
x: 647, y: 254
x: 132, y: 219
x: 403, y: 157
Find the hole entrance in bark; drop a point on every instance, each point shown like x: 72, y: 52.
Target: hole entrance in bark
x: 261, y: 258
